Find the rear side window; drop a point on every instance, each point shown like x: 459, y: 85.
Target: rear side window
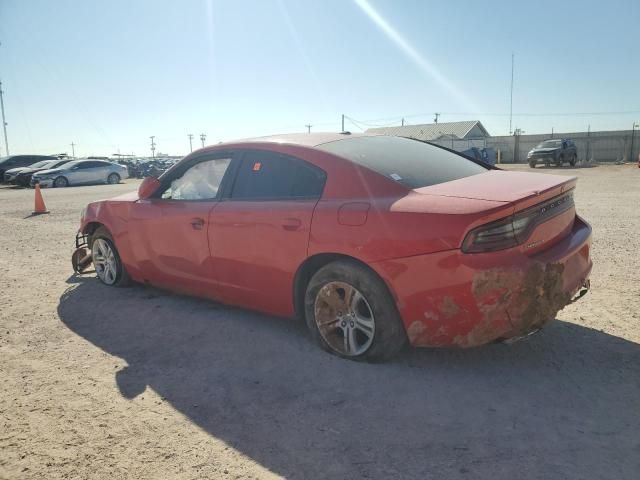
x: 412, y: 163
x: 266, y: 175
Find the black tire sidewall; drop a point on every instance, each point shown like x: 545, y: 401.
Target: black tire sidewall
x: 65, y: 184
x: 389, y: 336
x: 122, y: 277
x: 113, y: 175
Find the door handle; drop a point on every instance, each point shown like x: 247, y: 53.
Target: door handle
x: 291, y: 224
x: 197, y: 223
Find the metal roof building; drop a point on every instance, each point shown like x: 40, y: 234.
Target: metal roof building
x: 470, y: 130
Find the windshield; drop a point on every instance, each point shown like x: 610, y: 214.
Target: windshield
x: 412, y: 163
x: 550, y: 144
x: 43, y: 163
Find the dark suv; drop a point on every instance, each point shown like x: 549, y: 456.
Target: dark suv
x: 15, y: 161
x: 556, y: 151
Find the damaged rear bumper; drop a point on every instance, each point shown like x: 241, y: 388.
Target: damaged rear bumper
x: 454, y: 299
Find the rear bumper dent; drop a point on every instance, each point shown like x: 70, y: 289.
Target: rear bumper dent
x: 453, y: 299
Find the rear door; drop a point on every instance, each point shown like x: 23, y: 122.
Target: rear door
x: 259, y: 233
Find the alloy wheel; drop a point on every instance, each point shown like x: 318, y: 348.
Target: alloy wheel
x: 344, y: 318
x: 104, y: 260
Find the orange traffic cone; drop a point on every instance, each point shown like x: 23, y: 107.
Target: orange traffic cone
x: 39, y: 204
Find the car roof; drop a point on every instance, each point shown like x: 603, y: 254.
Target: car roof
x: 302, y: 139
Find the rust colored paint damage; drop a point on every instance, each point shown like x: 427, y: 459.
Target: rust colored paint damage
x: 449, y: 308
x: 415, y: 331
x: 513, y: 303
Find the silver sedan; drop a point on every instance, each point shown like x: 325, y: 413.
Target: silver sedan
x: 81, y: 172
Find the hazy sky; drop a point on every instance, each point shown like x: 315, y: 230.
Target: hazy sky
x: 107, y: 75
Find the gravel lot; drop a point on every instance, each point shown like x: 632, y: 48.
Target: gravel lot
x: 107, y: 383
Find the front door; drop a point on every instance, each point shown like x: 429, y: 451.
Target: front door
x: 259, y: 234
x: 170, y: 232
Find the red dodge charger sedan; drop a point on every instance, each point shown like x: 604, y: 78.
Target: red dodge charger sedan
x: 373, y: 240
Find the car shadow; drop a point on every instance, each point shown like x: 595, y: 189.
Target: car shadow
x: 563, y: 404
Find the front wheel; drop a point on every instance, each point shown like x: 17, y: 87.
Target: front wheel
x: 113, y: 179
x: 61, y: 182
x: 106, y: 260
x: 350, y: 313
x: 573, y: 160
x: 532, y: 164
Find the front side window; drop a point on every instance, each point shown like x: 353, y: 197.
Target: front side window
x: 267, y: 175
x: 200, y: 182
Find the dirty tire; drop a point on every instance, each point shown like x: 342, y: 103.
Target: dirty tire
x: 113, y: 179
x: 61, y: 182
x: 122, y: 278
x: 389, y: 335
x: 573, y: 160
x: 532, y: 164
x: 560, y: 161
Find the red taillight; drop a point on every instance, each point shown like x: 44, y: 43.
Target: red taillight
x: 514, y: 230
x: 496, y: 236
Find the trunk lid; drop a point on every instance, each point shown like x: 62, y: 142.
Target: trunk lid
x: 522, y: 189
x: 530, y: 192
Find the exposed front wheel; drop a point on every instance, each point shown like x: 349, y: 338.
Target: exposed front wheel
x: 106, y: 259
x: 113, y: 179
x: 350, y: 313
x: 61, y: 182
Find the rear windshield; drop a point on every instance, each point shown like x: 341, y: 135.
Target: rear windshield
x: 410, y: 162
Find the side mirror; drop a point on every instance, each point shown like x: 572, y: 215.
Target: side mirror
x: 148, y: 187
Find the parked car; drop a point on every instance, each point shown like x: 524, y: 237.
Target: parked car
x: 22, y: 176
x: 80, y: 172
x: 485, y: 155
x: 373, y: 240
x: 16, y: 161
x: 555, y: 151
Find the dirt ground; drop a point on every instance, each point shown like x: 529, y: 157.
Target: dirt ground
x: 107, y: 383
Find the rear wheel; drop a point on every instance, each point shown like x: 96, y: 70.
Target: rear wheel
x: 61, y: 182
x: 106, y: 259
x: 350, y: 313
x: 573, y: 160
x: 113, y: 179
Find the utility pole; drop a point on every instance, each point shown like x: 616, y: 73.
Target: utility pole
x: 4, y: 122
x: 511, y: 100
x: 153, y: 146
x: 342, y: 122
x: 308, y: 128
x: 435, y: 120
x: 403, y: 121
x: 73, y: 150
x: 203, y: 137
x: 633, y: 131
x: 190, y: 142
x: 551, y: 132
